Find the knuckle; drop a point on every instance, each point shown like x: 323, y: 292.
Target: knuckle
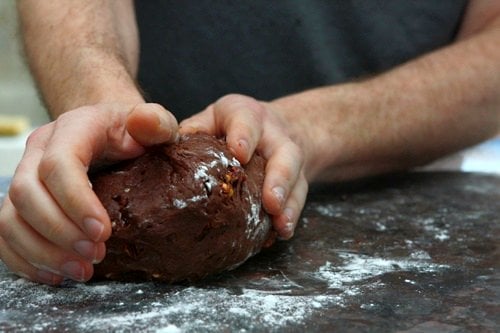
x: 285, y: 172
x: 294, y: 203
x: 231, y: 98
x: 35, y: 135
x: 18, y: 191
x: 240, y: 101
x: 258, y: 113
x: 69, y: 115
x: 54, y: 231
x: 48, y: 167
x: 297, y: 152
x: 84, y: 114
x: 5, y: 229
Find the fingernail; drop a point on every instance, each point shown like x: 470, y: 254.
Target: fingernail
x: 289, y: 228
x: 86, y: 249
x: 279, y: 194
x: 93, y: 228
x: 23, y: 275
x: 166, y: 127
x: 243, y: 144
x: 73, y: 270
x: 100, y: 253
x: 164, y: 122
x: 46, y: 277
x: 191, y: 129
x: 177, y: 137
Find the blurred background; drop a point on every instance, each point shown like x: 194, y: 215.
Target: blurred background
x: 18, y: 96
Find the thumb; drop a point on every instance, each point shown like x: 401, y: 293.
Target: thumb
x: 151, y: 124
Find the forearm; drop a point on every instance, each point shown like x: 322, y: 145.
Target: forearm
x: 81, y: 52
x: 437, y: 104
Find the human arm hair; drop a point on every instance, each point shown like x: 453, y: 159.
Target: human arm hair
x: 433, y: 105
x: 81, y: 52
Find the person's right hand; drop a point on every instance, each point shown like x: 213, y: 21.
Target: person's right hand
x: 52, y: 225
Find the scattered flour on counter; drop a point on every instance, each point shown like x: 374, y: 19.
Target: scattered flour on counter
x: 106, y: 307
x: 358, y: 267
x: 123, y: 307
x: 439, y: 233
x: 213, y: 310
x: 442, y: 235
x: 420, y: 255
x: 329, y: 210
x: 169, y: 329
x: 380, y: 226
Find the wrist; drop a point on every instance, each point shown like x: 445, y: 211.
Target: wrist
x: 98, y: 87
x: 322, y: 122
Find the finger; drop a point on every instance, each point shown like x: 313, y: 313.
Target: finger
x: 151, y: 124
x: 283, y: 168
x: 36, y: 250
x: 240, y: 118
x: 65, y: 162
x: 286, y: 222
x: 13, y: 261
x: 22, y: 268
x: 201, y: 122
x: 36, y: 206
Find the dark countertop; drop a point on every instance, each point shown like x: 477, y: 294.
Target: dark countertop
x: 407, y: 253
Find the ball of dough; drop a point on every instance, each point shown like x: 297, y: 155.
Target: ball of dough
x: 182, y: 212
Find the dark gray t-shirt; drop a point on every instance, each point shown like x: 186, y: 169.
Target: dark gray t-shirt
x: 193, y: 52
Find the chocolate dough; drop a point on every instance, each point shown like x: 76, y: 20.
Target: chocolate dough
x: 182, y: 212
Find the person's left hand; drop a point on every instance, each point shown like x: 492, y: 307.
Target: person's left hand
x: 250, y: 125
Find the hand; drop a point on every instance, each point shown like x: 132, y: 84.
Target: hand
x: 52, y: 225
x: 250, y: 125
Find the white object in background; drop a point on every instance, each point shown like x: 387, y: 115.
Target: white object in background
x: 484, y: 157
x: 11, y: 151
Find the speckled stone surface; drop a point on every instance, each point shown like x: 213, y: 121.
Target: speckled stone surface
x: 408, y: 253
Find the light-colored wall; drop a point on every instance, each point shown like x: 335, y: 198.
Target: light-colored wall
x: 17, y: 93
